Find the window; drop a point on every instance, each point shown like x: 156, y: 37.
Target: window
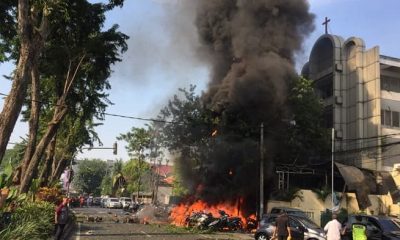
x: 328, y: 116
x: 388, y: 118
x: 324, y: 86
x: 294, y: 223
x: 395, y: 118
x: 390, y: 83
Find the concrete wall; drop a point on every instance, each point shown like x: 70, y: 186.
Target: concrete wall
x: 314, y: 206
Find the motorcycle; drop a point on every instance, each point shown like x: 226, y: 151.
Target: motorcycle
x: 224, y: 222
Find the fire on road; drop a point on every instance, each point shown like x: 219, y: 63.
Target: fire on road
x: 109, y: 229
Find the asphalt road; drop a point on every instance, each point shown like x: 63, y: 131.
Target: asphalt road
x: 108, y: 229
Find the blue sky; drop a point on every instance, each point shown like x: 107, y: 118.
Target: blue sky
x: 162, y: 55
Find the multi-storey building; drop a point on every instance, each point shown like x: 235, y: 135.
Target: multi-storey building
x: 361, y: 93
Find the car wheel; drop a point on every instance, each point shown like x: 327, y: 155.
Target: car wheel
x: 262, y: 236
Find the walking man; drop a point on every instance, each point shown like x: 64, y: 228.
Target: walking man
x: 61, y: 217
x: 333, y: 229
x: 282, y: 230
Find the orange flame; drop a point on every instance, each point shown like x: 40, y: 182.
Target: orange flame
x: 182, y: 211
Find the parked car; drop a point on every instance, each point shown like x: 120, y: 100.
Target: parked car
x: 125, y: 202
x: 291, y: 211
x: 113, y: 203
x: 378, y: 227
x: 103, y: 202
x: 302, y: 228
x: 96, y: 201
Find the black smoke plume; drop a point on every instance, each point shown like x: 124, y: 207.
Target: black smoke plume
x: 250, y: 45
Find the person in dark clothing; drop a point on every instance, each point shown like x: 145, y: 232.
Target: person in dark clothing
x: 282, y: 230
x: 61, y: 217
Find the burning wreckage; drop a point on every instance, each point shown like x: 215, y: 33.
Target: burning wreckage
x: 220, y: 217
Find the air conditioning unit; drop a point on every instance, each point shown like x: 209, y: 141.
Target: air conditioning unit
x: 339, y: 67
x: 338, y: 100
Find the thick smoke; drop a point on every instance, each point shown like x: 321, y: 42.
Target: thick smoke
x: 250, y: 45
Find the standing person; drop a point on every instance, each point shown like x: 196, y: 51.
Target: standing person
x: 359, y: 229
x: 61, y: 217
x: 282, y: 230
x: 81, y: 201
x: 333, y: 229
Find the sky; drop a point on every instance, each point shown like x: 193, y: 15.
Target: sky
x: 162, y: 56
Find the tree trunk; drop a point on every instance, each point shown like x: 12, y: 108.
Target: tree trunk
x: 59, y: 114
x: 13, y: 103
x: 62, y: 164
x: 44, y: 175
x: 33, y: 120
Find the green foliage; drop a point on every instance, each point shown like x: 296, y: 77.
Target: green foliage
x: 13, y: 156
x: 287, y: 195
x: 322, y: 193
x: 195, y: 122
x: 326, y: 216
x: 134, y: 169
x: 31, y: 220
x: 308, y: 138
x: 106, y: 185
x: 139, y: 140
x: 89, y: 175
x: 6, y: 176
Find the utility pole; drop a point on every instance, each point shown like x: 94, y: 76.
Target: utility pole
x: 261, y: 170
x: 333, y: 165
x: 139, y: 175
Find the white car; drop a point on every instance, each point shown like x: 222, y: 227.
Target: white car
x: 113, y: 203
x: 125, y: 202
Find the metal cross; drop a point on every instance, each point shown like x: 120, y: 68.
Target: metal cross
x: 327, y: 20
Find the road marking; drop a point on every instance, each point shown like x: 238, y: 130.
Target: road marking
x: 78, y: 237
x: 205, y: 236
x: 147, y: 235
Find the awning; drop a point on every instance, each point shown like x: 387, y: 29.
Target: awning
x: 365, y: 182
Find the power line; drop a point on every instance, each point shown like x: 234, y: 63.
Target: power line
x: 140, y: 118
x: 182, y: 123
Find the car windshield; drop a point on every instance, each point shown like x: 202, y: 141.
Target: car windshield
x: 113, y: 200
x: 388, y: 225
x: 308, y: 223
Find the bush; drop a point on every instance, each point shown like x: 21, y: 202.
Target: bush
x: 32, y: 220
x: 52, y: 195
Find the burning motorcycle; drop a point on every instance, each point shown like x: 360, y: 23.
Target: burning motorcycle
x: 224, y: 222
x: 199, y: 220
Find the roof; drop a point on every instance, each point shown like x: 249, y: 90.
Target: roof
x: 162, y: 170
x: 365, y: 182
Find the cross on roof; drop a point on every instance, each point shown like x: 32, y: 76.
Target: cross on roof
x: 327, y: 20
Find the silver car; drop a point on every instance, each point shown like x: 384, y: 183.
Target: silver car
x: 301, y: 228
x: 113, y: 203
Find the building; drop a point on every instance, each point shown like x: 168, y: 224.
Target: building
x: 361, y: 93
x: 164, y: 182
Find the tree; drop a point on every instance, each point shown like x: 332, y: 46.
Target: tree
x: 133, y: 170
x: 308, y: 139
x: 79, y: 42
x: 139, y: 142
x: 32, y: 32
x: 90, y: 175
